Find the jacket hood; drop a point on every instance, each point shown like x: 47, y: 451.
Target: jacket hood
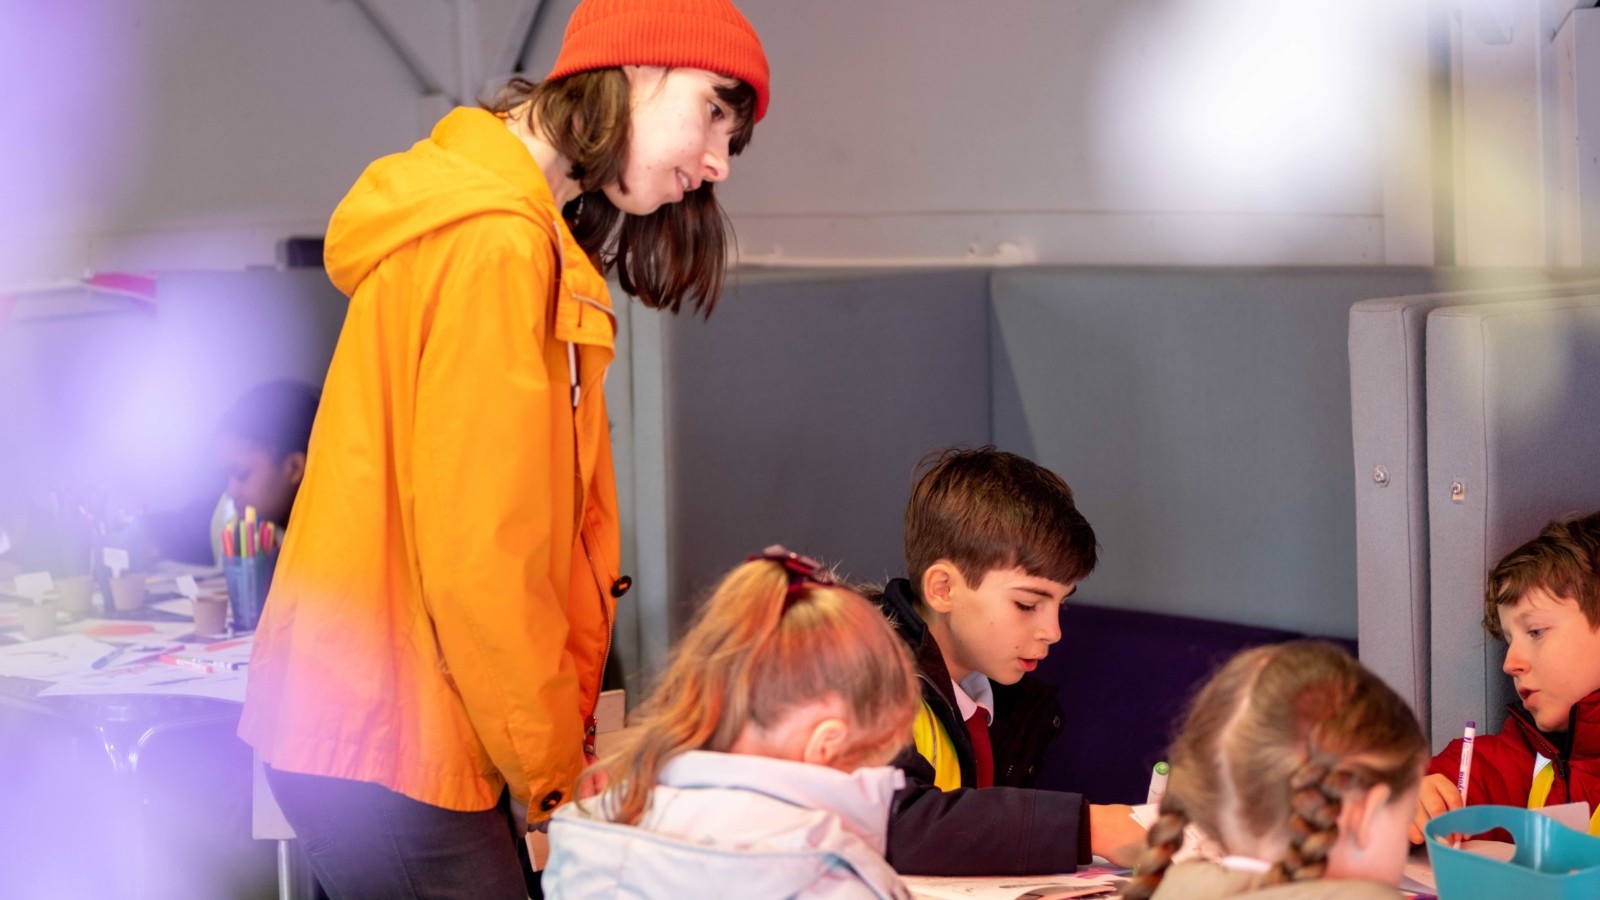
x: 899, y: 605
x: 721, y: 823
x: 860, y: 798
x: 470, y: 165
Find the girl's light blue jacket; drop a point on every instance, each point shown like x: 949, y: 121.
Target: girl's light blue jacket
x: 731, y: 825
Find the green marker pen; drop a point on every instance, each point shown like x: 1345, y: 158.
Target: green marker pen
x: 1158, y: 783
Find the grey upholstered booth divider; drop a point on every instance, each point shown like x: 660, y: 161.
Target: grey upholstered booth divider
x: 1202, y: 416
x: 1389, y: 424
x: 796, y: 413
x: 1513, y: 396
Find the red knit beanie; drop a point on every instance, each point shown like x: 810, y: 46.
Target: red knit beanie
x: 696, y: 34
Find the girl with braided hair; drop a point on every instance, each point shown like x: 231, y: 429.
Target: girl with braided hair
x: 1304, y: 767
x: 759, y: 766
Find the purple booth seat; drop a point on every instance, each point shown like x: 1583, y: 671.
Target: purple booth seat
x: 1125, y: 679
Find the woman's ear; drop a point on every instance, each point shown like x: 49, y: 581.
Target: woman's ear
x: 827, y: 742
x: 937, y: 583
x: 1358, y: 813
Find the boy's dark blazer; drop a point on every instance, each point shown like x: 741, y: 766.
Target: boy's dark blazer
x: 1008, y: 829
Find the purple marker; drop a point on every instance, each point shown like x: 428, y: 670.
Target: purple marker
x: 1466, y: 760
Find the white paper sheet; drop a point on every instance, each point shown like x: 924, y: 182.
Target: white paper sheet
x: 1012, y: 887
x: 1418, y: 873
x: 1574, y: 815
x: 1417, y: 876
x: 151, y: 678
x: 52, y: 657
x: 182, y: 606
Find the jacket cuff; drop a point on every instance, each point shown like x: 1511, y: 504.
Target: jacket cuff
x: 1085, y: 855
x: 1058, y: 833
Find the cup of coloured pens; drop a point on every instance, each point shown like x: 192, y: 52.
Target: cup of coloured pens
x: 249, y: 554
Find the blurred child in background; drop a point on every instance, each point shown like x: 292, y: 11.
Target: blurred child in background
x: 261, y: 446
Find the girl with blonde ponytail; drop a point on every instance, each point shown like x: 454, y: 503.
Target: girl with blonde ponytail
x: 1304, y: 767
x: 759, y: 764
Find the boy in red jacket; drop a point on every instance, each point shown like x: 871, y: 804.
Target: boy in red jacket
x: 1543, y: 599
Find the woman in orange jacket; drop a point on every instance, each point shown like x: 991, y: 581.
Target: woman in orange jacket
x: 432, y: 648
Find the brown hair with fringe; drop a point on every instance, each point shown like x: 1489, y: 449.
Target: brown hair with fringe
x: 1563, y: 560
x: 674, y: 254
x: 986, y: 509
x: 1272, y: 745
x: 758, y: 650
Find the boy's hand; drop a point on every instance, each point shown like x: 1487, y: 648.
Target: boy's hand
x: 1437, y: 796
x: 1115, y: 835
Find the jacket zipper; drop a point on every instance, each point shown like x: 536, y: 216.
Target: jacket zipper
x: 1559, y: 758
x: 1562, y: 770
x: 1028, y: 731
x: 600, y: 591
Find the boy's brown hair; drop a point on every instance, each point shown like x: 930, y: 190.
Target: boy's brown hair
x: 987, y: 509
x: 1564, y: 560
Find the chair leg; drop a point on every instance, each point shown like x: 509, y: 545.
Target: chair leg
x: 295, y: 881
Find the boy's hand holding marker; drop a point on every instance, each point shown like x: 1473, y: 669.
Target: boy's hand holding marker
x: 1115, y: 834
x: 1437, y: 795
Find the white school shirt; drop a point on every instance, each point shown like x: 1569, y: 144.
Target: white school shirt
x: 974, y: 692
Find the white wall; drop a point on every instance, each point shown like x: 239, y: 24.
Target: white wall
x: 172, y: 134
x: 161, y: 134
x: 1115, y: 131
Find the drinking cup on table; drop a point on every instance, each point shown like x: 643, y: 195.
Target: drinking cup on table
x: 210, y: 615
x: 127, y: 591
x: 38, y: 619
x: 77, y: 594
x: 249, y: 578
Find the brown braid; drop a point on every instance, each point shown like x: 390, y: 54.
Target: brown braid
x: 1316, y: 794
x: 1164, y: 841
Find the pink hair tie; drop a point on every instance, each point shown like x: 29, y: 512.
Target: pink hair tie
x: 803, y: 571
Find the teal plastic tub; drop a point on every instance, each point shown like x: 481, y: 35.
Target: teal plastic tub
x: 1552, y: 862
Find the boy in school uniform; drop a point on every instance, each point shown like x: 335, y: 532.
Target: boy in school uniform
x: 1543, y: 599
x: 994, y: 546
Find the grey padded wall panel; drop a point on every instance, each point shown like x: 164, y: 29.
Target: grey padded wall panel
x: 796, y: 413
x: 1390, y: 439
x: 1514, y: 419
x: 1203, y: 417
x: 1389, y: 424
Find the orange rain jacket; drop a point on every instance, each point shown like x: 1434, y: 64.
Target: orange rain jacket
x: 441, y: 610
